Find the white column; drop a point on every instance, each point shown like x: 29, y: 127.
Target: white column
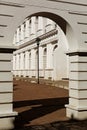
x: 77, y: 107
x: 29, y: 63
x: 19, y: 65
x: 26, y: 63
x: 17, y: 62
x: 22, y: 32
x: 14, y: 62
x: 22, y: 63
x: 18, y: 35
x: 29, y: 60
x: 16, y: 65
x: 41, y: 74
x: 49, y: 56
x: 33, y: 27
x: 40, y: 26
x: 26, y: 59
x: 27, y: 28
x: 33, y: 59
x: 15, y: 38
x: 50, y: 25
x: 33, y: 62
x: 41, y: 57
x: 49, y: 68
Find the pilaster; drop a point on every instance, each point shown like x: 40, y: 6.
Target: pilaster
x: 27, y: 29
x: 33, y: 54
x: 18, y: 37
x: 7, y: 115
x: 49, y: 25
x: 49, y: 61
x: 33, y: 28
x: 40, y: 26
x: 41, y: 61
x: 26, y: 63
x: 77, y: 107
x: 22, y: 32
x: 14, y: 64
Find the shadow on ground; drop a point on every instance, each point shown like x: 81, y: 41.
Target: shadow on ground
x: 38, y: 109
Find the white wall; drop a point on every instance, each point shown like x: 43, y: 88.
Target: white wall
x: 60, y: 59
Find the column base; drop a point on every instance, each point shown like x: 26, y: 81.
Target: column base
x: 7, y: 120
x: 76, y: 113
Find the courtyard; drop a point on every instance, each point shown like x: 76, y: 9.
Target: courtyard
x: 41, y: 107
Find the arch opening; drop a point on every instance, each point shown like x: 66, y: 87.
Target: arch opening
x: 46, y: 25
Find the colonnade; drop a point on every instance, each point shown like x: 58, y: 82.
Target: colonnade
x: 25, y: 63
x: 31, y: 28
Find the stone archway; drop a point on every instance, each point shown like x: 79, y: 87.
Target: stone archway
x: 69, y: 32
x: 76, y: 22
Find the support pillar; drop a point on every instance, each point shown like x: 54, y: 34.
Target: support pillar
x: 49, y: 68
x: 41, y: 62
x: 33, y: 62
x: 77, y: 107
x: 7, y: 115
x: 40, y: 26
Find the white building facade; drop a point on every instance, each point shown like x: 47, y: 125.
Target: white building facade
x: 53, y: 62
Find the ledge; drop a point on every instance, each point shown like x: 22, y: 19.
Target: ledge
x: 83, y: 108
x: 79, y: 53
x: 9, y: 114
x: 7, y: 49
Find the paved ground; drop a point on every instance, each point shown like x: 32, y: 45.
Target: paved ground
x: 41, y: 107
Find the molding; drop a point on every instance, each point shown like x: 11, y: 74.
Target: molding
x: 8, y: 114
x: 1, y: 36
x: 5, y: 60
x: 6, y: 81
x: 7, y: 50
x: 6, y: 15
x: 77, y: 13
x: 81, y: 109
x: 5, y: 71
x: 82, y: 23
x: 4, y: 3
x: 3, y: 25
x: 77, y: 80
x: 67, y: 2
x: 79, y: 62
x: 5, y: 103
x: 78, y: 98
x: 78, y: 89
x: 41, y: 37
x: 78, y: 71
x: 6, y: 92
x: 77, y: 53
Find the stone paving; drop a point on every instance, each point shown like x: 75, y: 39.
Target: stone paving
x: 41, y: 107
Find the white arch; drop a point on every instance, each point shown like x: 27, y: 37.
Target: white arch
x: 12, y: 14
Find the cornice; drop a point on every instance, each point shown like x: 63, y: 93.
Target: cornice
x: 41, y: 37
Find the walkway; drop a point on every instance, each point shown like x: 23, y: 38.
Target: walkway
x: 41, y: 107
